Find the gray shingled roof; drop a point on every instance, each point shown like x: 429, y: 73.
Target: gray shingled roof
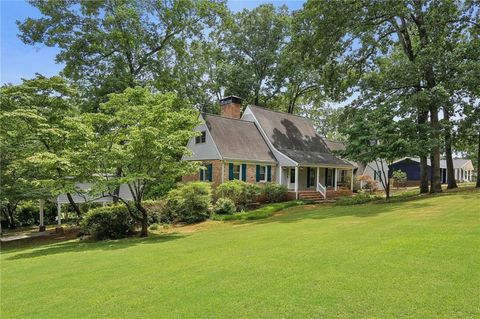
x: 237, y: 139
x: 296, y: 137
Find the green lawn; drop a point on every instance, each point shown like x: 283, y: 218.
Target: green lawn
x: 413, y: 259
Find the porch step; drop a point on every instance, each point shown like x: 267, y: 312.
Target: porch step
x: 313, y: 196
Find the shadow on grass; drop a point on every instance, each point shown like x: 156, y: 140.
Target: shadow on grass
x: 89, y: 245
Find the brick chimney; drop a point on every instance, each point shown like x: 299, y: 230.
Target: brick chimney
x: 230, y: 106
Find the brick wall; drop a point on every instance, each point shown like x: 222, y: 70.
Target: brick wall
x: 217, y: 173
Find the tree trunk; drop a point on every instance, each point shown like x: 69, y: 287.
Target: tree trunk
x: 436, y: 185
x: 144, y: 232
x: 478, y: 163
x: 423, y: 175
x: 448, y: 153
x: 74, y: 205
x: 116, y: 191
x: 10, y: 215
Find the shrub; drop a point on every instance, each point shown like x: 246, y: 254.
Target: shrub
x: 157, y: 212
x: 27, y: 214
x: 154, y: 226
x: 275, y: 193
x: 360, y: 198
x: 368, y: 183
x: 189, y: 202
x: 399, y: 178
x: 108, y: 222
x: 224, y: 206
x: 240, y: 192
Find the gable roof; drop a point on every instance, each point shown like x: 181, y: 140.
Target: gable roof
x: 295, y: 137
x: 237, y: 139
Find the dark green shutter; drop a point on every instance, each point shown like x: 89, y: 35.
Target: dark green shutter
x: 269, y: 173
x: 326, y: 177
x: 308, y: 176
x: 200, y: 173
x: 244, y: 172
x: 230, y: 171
x: 209, y: 172
x: 257, y: 178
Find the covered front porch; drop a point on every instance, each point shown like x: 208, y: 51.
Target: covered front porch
x: 322, y: 179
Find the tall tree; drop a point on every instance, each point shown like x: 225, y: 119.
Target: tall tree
x: 145, y: 134
x: 375, y: 136
x: 356, y: 34
x: 110, y: 45
x: 43, y: 112
x: 253, y: 41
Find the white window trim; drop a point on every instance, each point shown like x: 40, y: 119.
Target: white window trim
x: 200, y: 138
x: 265, y: 178
x: 239, y: 171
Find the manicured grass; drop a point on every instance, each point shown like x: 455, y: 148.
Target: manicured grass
x: 263, y: 212
x: 413, y: 259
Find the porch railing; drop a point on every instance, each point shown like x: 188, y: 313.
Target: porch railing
x: 322, y: 190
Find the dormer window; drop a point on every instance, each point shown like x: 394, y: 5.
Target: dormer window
x: 200, y: 138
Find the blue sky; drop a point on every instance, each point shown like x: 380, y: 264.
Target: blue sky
x: 23, y: 61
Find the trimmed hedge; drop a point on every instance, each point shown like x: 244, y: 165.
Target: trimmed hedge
x: 108, y: 222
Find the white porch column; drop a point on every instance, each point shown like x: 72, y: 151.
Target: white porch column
x: 42, y: 225
x: 280, y: 173
x: 223, y: 171
x: 351, y: 182
x: 296, y: 182
x: 318, y: 176
x: 335, y: 179
x: 59, y: 211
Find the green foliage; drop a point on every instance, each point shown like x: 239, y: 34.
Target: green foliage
x: 360, y: 198
x: 154, y: 226
x: 108, y: 222
x: 260, y: 213
x: 108, y: 47
x: 274, y: 192
x: 399, y: 177
x: 240, y: 192
x: 224, y: 206
x: 189, y: 203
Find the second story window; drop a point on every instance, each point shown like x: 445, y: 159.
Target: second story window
x: 200, y: 138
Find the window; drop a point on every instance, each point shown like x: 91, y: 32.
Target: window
x: 377, y: 175
x: 262, y: 174
x: 237, y: 171
x: 292, y: 175
x: 203, y: 175
x: 200, y: 138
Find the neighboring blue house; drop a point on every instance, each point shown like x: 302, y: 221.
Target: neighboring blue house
x: 411, y: 165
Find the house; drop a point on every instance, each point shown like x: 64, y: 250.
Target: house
x: 263, y: 145
x: 373, y: 169
x: 411, y: 166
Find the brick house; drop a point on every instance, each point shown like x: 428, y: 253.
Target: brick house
x: 262, y: 146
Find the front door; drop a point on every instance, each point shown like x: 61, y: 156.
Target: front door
x: 291, y: 178
x: 311, y: 177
